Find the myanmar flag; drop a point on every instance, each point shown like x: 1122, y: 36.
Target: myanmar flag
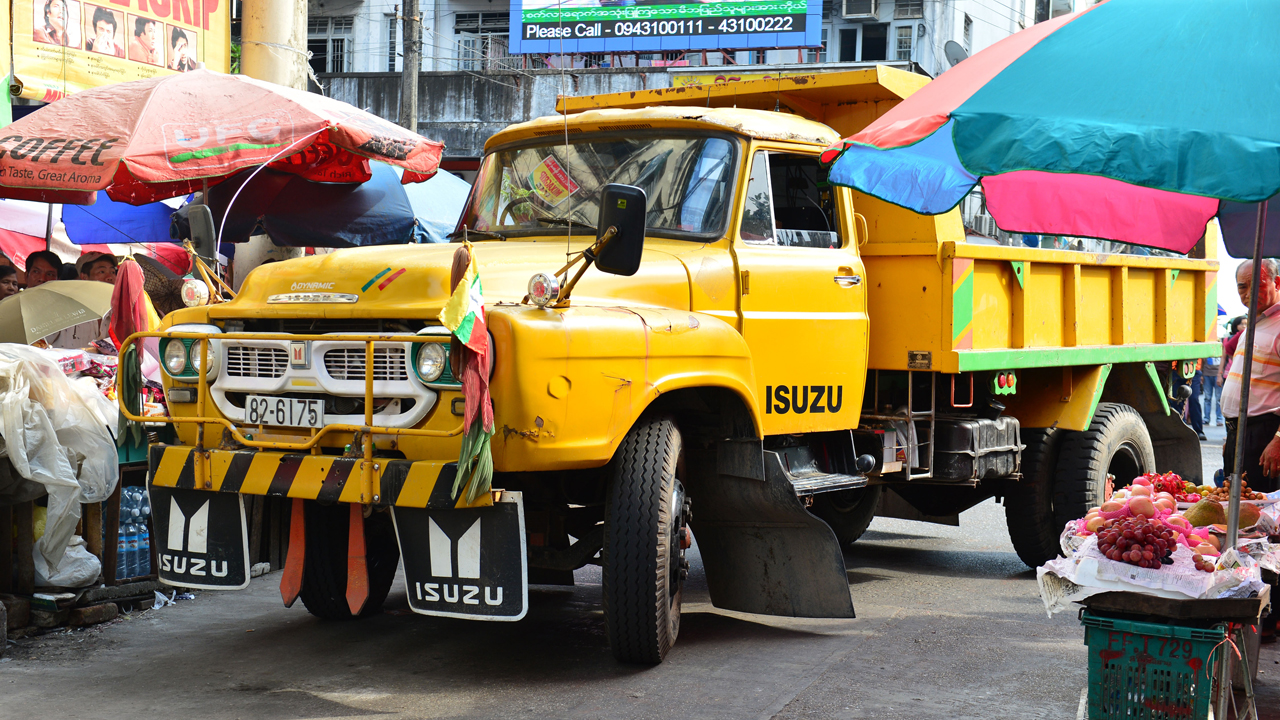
x: 464, y: 313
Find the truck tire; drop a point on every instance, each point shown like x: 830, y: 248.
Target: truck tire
x: 1029, y: 503
x: 324, y: 572
x: 1117, y: 443
x: 644, y: 564
x: 848, y: 512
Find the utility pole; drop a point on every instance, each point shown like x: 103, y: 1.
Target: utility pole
x: 412, y: 31
x: 273, y: 48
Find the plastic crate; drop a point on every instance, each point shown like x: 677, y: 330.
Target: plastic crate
x: 1148, y: 671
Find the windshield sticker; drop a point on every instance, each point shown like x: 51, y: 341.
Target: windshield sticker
x: 552, y: 182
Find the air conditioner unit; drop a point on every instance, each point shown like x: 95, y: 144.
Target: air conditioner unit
x: 861, y: 9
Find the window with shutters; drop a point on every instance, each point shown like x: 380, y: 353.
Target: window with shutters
x: 907, y: 9
x: 905, y: 35
x: 330, y: 41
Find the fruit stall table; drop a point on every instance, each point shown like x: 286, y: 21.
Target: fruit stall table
x: 1171, y: 612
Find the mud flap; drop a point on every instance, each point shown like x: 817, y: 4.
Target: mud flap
x: 468, y: 563
x: 1176, y: 446
x: 763, y: 551
x: 201, y: 539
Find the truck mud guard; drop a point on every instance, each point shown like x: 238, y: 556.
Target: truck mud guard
x: 763, y: 551
x: 1176, y: 446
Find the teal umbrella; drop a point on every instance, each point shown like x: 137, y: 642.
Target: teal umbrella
x: 1128, y: 121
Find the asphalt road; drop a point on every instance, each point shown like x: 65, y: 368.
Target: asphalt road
x: 949, y: 625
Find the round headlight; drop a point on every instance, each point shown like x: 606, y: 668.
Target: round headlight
x: 209, y: 364
x: 431, y: 360
x: 544, y: 289
x: 175, y: 357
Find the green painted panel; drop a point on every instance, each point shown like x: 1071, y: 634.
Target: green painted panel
x: 1019, y: 271
x: 1097, y: 393
x: 1160, y: 390
x: 974, y: 360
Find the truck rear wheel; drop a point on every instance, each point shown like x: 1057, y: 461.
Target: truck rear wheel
x: 1029, y: 504
x: 848, y: 512
x: 324, y: 573
x: 643, y: 554
x: 1116, y: 443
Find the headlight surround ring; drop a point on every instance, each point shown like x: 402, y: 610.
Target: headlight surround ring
x: 429, y: 361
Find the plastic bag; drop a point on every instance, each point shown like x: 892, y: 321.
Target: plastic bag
x: 78, y: 567
x: 52, y: 430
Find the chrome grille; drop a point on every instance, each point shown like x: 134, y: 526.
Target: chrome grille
x: 256, y: 362
x: 348, y: 364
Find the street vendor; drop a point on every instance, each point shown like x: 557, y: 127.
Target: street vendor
x: 1262, y: 441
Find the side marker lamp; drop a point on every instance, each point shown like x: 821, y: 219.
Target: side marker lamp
x: 544, y: 289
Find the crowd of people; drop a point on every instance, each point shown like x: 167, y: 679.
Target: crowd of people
x: 45, y: 267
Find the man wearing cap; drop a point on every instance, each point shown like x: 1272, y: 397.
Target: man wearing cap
x: 97, y: 266
x: 100, y: 267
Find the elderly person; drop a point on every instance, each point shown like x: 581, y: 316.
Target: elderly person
x: 1261, y: 460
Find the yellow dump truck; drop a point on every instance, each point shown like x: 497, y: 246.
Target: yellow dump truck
x: 754, y: 355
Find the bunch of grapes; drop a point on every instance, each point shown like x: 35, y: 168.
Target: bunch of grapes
x: 1202, y: 564
x: 1137, y: 541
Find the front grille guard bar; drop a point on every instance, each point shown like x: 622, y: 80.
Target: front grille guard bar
x: 364, y: 433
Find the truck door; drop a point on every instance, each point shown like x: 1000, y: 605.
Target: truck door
x: 803, y: 294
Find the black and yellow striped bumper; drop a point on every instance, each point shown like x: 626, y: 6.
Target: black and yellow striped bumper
x: 327, y: 478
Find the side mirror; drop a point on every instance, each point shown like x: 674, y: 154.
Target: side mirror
x: 623, y: 208
x: 204, y: 236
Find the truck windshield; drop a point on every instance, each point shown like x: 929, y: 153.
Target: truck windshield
x: 687, y: 181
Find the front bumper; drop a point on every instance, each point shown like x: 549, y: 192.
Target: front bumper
x: 326, y: 478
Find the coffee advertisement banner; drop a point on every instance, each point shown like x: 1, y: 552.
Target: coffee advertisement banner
x: 64, y: 46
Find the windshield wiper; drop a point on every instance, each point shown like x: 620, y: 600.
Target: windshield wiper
x: 567, y: 222
x: 483, y: 233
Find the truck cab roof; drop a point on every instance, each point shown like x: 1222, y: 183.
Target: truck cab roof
x: 760, y: 124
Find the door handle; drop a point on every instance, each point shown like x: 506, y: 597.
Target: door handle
x: 848, y: 280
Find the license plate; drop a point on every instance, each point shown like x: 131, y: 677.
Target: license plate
x: 466, y: 563
x: 289, y: 412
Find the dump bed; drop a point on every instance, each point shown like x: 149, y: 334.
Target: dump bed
x: 938, y: 302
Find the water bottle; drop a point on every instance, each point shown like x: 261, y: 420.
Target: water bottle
x: 131, y: 553
x: 144, y: 550
x: 122, y: 550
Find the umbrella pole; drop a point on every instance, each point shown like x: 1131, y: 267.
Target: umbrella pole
x: 48, y: 229
x: 1246, y: 373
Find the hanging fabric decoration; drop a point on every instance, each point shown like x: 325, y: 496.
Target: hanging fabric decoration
x: 464, y: 315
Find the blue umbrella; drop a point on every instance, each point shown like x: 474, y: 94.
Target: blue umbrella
x: 108, y: 221
x: 438, y: 204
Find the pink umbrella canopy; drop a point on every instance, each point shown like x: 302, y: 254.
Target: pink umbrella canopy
x: 158, y: 138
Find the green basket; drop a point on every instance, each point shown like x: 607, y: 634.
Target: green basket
x: 1148, y: 671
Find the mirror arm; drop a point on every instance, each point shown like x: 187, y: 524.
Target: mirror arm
x: 589, y: 256
x: 210, y: 277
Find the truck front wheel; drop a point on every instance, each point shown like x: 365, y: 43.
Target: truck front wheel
x: 324, y: 573
x: 644, y: 533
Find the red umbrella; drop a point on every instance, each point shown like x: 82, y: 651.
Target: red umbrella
x: 154, y: 139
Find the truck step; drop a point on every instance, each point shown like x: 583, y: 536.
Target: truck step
x: 812, y: 483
